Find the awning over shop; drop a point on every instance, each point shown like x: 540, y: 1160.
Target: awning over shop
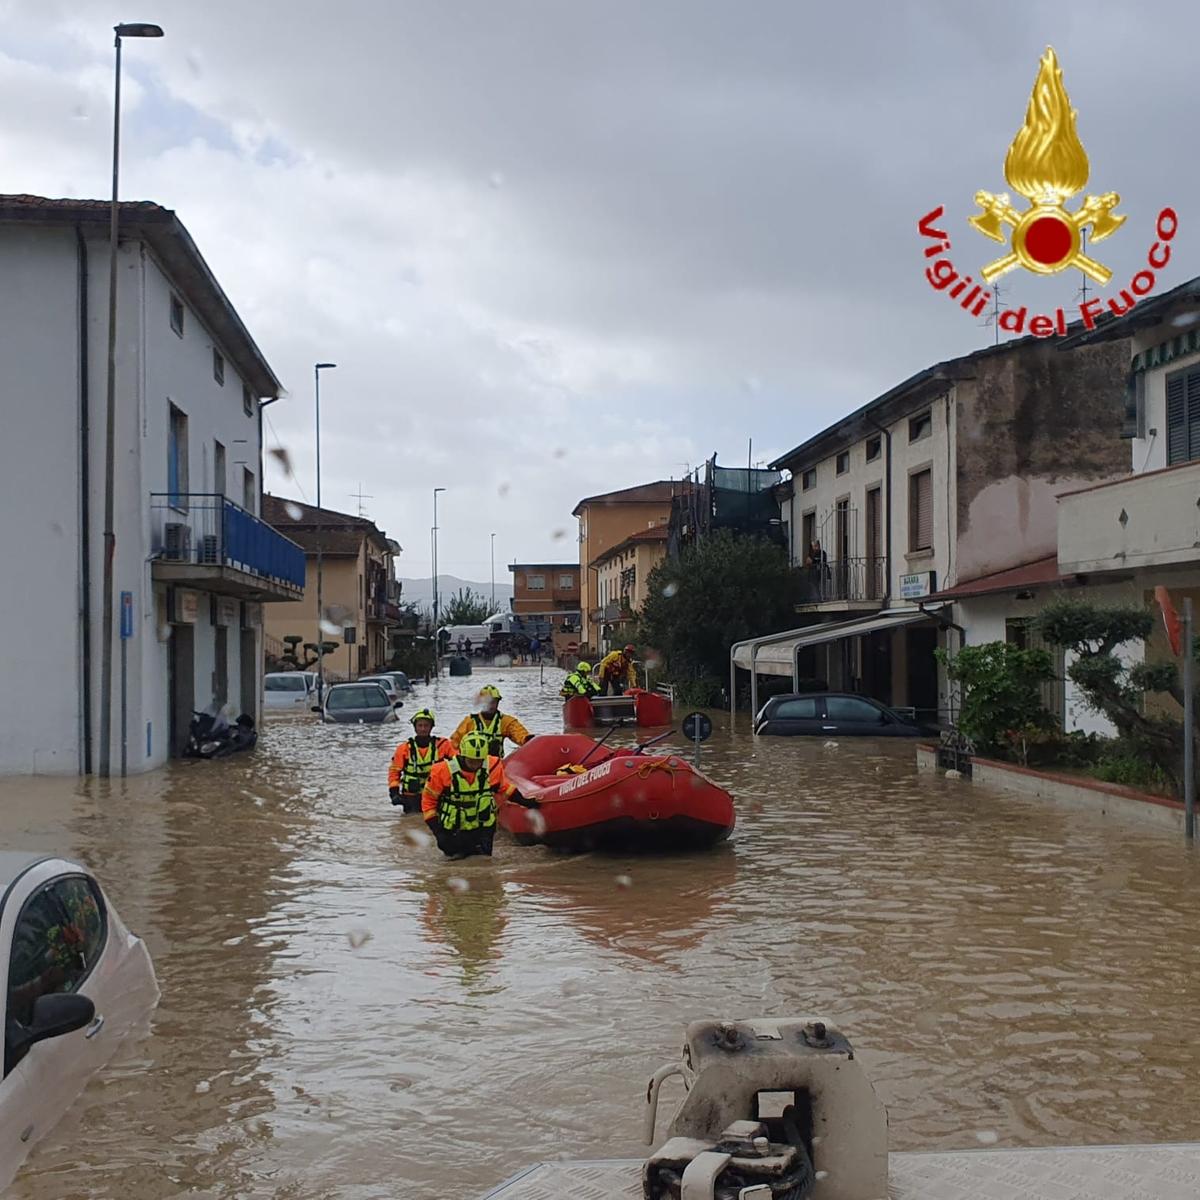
x: 776, y: 654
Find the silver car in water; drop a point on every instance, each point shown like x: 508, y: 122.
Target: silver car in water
x: 78, y: 983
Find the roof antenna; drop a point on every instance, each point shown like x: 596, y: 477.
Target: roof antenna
x: 993, y: 318
x: 360, y: 497
x: 1082, y: 293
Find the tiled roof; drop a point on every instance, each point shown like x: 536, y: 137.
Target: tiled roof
x: 280, y: 512
x: 658, y: 533
x: 660, y: 492
x: 1042, y: 573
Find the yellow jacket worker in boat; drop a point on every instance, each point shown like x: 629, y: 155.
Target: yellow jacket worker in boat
x: 579, y: 682
x: 617, y: 671
x: 492, y: 723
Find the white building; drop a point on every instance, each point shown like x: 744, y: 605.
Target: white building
x: 191, y: 554
x: 1118, y: 539
x: 950, y: 478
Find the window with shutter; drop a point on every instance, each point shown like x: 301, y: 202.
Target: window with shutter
x: 1183, y: 417
x: 1177, y: 433
x: 920, y: 510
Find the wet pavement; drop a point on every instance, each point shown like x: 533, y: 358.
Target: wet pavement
x: 345, y: 1014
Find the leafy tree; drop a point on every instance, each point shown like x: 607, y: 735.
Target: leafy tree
x: 721, y: 590
x: 1114, y: 688
x: 1001, y: 699
x: 466, y: 607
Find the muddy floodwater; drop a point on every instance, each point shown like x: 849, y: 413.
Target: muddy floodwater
x: 345, y: 1014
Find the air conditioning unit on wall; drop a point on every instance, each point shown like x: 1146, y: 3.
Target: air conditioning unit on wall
x: 177, y: 541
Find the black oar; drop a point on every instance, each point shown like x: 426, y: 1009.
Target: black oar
x: 601, y: 741
x: 642, y: 745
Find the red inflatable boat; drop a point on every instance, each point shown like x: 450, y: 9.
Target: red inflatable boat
x: 636, y: 706
x: 622, y: 799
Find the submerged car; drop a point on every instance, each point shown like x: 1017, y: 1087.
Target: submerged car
x: 78, y: 983
x: 357, y: 703
x: 401, y: 680
x: 826, y: 714
x: 386, y: 682
x: 289, y: 691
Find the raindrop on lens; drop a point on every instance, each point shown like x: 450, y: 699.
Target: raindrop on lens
x: 987, y: 1137
x: 284, y: 459
x: 358, y: 938
x: 670, y: 589
x: 202, y: 1087
x: 458, y: 885
x: 559, y: 534
x: 537, y: 823
x: 418, y: 837
x: 624, y: 881
x: 503, y: 489
x: 294, y: 511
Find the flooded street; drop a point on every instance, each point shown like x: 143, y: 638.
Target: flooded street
x: 339, y: 1019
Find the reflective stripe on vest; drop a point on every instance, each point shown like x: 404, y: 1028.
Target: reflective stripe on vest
x: 491, y: 730
x: 416, y: 769
x: 467, y: 806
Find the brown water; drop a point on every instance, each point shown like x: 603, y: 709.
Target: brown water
x: 338, y: 1021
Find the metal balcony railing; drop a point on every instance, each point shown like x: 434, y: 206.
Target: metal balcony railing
x: 844, y: 579
x: 207, y: 529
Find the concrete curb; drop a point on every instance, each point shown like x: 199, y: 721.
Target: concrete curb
x: 1094, y: 796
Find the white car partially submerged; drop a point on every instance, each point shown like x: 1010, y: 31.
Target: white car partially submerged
x: 78, y: 982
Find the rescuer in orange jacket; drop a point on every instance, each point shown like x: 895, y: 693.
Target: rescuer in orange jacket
x: 414, y: 759
x: 462, y: 798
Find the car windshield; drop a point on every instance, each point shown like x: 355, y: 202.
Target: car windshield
x: 358, y: 697
x: 285, y: 683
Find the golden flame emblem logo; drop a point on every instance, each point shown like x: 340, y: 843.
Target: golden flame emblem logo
x: 1047, y: 164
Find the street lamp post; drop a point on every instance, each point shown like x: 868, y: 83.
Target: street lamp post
x: 317, y: 369
x: 493, y: 574
x: 433, y: 533
x: 135, y: 30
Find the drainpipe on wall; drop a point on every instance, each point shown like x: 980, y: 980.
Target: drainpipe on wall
x: 85, y: 517
x: 887, y: 526
x: 260, y: 641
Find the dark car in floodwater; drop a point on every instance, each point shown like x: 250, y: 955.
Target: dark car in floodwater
x: 830, y: 714
x: 358, y: 703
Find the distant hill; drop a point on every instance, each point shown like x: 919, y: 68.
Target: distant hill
x: 420, y: 591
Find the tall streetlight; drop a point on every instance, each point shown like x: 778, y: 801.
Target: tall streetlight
x: 317, y: 369
x: 135, y: 30
x: 493, y: 574
x: 434, y: 533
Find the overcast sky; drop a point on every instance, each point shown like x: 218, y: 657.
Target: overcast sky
x: 560, y: 247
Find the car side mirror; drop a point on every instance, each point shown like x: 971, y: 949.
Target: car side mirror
x: 398, y: 704
x: 316, y: 708
x: 57, y: 1014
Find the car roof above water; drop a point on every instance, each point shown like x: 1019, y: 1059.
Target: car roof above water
x: 14, y: 863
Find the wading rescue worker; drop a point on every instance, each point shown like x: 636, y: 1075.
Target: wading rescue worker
x: 617, y: 672
x: 414, y: 759
x: 579, y: 682
x: 492, y: 723
x: 462, y: 797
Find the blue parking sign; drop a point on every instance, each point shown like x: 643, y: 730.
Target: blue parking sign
x: 126, y: 614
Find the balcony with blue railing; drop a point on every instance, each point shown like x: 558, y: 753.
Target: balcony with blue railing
x: 208, y: 540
